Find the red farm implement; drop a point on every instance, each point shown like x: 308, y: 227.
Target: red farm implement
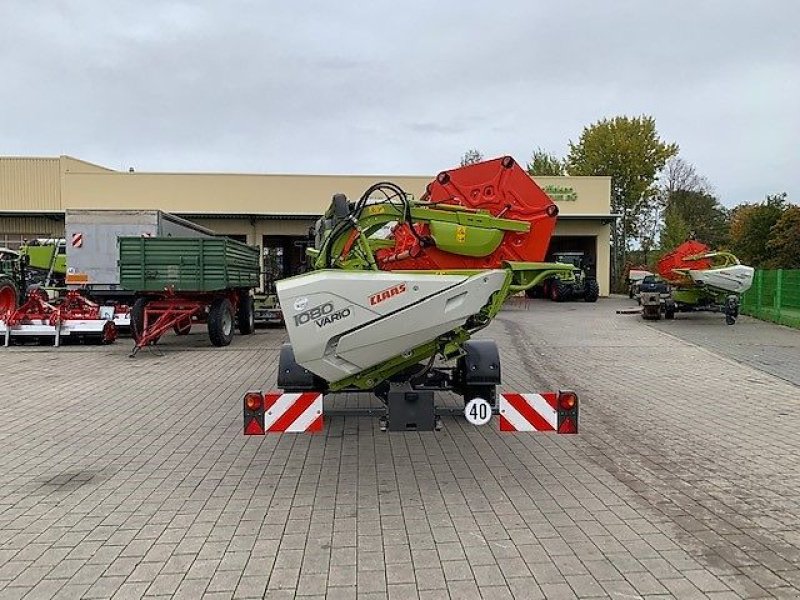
x: 74, y: 317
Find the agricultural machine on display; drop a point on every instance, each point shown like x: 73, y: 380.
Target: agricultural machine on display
x: 582, y: 286
x: 183, y: 281
x: 28, y: 313
x: 398, y: 287
x: 699, y: 280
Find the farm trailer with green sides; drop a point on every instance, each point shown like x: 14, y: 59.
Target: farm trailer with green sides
x: 182, y: 281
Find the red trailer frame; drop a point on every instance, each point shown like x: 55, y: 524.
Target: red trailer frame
x: 153, y: 316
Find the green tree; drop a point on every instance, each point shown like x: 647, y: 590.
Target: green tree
x: 751, y: 226
x: 683, y: 190
x: 784, y: 240
x: 544, y: 163
x: 630, y: 150
x: 471, y: 156
x: 649, y: 226
x: 702, y: 213
x: 675, y: 230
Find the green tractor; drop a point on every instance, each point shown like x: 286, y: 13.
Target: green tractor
x: 583, y: 285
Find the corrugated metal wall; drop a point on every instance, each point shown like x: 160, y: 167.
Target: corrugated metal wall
x: 31, y: 184
x: 32, y: 226
x: 14, y: 230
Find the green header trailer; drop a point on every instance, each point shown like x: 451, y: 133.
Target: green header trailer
x: 184, y: 281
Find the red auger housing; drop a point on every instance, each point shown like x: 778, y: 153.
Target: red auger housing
x: 677, y: 259
x: 499, y: 186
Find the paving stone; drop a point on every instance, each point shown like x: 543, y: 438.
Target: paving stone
x: 662, y: 494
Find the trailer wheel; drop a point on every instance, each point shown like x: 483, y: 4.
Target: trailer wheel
x: 592, y: 291
x: 220, y: 322
x: 137, y: 318
x: 669, y: 309
x: 8, y: 295
x: 246, y: 315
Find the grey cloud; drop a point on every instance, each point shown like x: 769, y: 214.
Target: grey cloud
x: 388, y: 87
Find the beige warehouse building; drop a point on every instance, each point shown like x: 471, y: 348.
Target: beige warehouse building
x: 270, y: 211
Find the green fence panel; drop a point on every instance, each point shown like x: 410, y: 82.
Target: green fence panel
x: 775, y: 296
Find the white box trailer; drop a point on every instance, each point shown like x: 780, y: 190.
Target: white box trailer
x: 93, y: 250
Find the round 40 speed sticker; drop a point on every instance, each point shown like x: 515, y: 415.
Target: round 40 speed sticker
x: 478, y: 411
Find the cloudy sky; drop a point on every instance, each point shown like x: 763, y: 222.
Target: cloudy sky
x: 399, y: 87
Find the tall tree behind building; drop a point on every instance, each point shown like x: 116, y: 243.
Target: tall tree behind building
x: 674, y: 232
x: 689, y: 198
x: 705, y: 217
x: 630, y: 150
x: 545, y: 163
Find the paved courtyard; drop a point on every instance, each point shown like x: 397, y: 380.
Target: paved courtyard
x: 129, y: 478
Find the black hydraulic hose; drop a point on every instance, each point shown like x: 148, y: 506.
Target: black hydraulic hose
x: 390, y: 191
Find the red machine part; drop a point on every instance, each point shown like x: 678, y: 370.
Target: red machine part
x: 499, y: 186
x: 73, y: 307
x: 173, y: 311
x: 163, y: 314
x: 677, y: 259
x: 35, y: 308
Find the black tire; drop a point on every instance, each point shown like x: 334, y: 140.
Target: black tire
x: 730, y: 320
x: 137, y: 318
x: 220, y: 322
x: 592, y: 291
x: 9, y: 295
x: 559, y: 291
x: 552, y: 291
x: 669, y: 310
x: 245, y: 315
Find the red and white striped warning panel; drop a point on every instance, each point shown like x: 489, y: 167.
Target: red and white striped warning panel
x: 293, y: 413
x: 529, y: 412
x: 77, y: 240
